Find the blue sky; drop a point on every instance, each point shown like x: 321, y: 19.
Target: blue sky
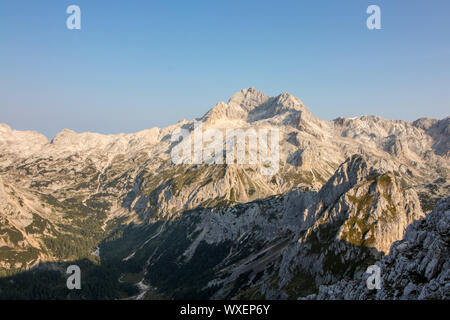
x: 138, y: 64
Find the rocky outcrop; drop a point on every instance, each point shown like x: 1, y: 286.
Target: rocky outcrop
x: 417, y: 267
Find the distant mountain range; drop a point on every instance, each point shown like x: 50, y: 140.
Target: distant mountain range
x: 142, y: 227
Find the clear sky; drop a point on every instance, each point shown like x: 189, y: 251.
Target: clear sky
x: 138, y: 64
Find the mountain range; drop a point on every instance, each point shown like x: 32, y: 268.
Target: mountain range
x: 348, y: 193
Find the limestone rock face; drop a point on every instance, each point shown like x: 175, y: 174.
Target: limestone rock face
x: 417, y: 267
x: 248, y: 99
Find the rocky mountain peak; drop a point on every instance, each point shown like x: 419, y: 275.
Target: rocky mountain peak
x: 29, y: 141
x: 238, y: 107
x: 4, y: 128
x: 65, y: 134
x: 248, y: 98
x: 253, y: 105
x: 290, y: 101
x: 424, y: 123
x: 349, y: 173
